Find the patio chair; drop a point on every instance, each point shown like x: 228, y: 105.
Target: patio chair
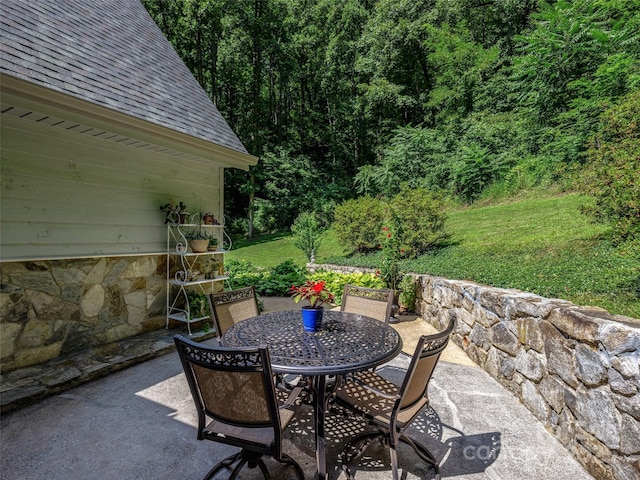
x: 371, y: 302
x: 230, y: 307
x: 237, y: 404
x: 389, y: 408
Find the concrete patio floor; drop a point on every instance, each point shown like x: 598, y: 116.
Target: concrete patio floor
x: 139, y: 423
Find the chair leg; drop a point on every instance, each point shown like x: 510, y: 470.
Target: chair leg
x: 226, y: 463
x: 252, y: 460
x: 366, y: 439
x: 394, y: 462
x: 287, y: 460
x: 423, y: 453
x: 236, y: 470
x: 264, y: 470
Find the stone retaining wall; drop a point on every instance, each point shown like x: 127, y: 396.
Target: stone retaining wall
x: 577, y: 369
x: 53, y: 308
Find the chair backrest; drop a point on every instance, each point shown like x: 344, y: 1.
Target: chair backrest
x: 230, y: 385
x: 426, y: 356
x: 371, y: 302
x: 230, y: 307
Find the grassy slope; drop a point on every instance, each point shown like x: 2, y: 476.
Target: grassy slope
x: 541, y: 245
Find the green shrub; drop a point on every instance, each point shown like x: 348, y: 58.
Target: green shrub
x: 243, y: 273
x: 613, y: 175
x: 335, y: 281
x: 270, y: 283
x: 422, y: 218
x: 407, y: 296
x: 198, y: 304
x: 358, y: 223
x: 282, y: 277
x: 473, y: 170
x: 278, y: 281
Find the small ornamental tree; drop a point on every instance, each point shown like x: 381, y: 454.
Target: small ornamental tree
x: 307, y: 234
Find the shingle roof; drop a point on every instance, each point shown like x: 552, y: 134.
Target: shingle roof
x: 111, y: 53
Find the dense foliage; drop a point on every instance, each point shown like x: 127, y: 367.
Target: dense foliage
x: 358, y: 223
x: 613, y: 175
x: 414, y: 219
x: 347, y: 97
x: 515, y: 245
x: 278, y: 281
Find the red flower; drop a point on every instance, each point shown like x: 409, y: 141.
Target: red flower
x: 313, y: 291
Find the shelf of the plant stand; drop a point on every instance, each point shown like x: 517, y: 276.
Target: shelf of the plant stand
x: 197, y: 254
x: 194, y: 225
x: 182, y: 317
x: 198, y: 282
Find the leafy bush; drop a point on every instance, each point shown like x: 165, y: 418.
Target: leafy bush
x: 416, y: 156
x: 243, y: 273
x: 474, y: 170
x: 528, y: 173
x: 415, y: 215
x: 421, y: 215
x: 275, y: 282
x: 407, y: 296
x: 283, y: 275
x: 358, y: 223
x: 613, y: 175
x: 335, y: 281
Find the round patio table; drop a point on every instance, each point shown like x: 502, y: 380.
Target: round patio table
x: 345, y: 342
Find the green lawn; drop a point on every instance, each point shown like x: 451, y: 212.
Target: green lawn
x: 540, y: 245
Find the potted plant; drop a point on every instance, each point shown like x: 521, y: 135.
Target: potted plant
x: 213, y: 243
x: 197, y: 237
x: 316, y: 293
x: 198, y: 305
x: 407, y: 294
x: 209, y: 219
x: 211, y: 269
x: 174, y: 214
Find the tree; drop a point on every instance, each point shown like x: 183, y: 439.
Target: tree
x: 570, y: 40
x: 307, y: 234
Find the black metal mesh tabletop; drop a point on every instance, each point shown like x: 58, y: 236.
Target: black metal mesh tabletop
x: 345, y: 342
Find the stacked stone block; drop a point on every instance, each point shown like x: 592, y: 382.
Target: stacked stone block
x: 577, y: 369
x: 54, y: 308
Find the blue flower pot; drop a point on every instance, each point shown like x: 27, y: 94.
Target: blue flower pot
x: 311, y: 318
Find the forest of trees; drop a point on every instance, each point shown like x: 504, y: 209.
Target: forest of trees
x: 466, y: 97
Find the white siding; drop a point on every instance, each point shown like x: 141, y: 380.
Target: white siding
x: 69, y: 195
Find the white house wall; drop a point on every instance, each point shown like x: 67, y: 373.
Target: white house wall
x: 66, y: 195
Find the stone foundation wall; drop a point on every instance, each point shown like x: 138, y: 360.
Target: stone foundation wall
x: 577, y: 369
x: 53, y: 308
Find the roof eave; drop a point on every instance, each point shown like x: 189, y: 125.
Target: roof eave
x: 51, y: 102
